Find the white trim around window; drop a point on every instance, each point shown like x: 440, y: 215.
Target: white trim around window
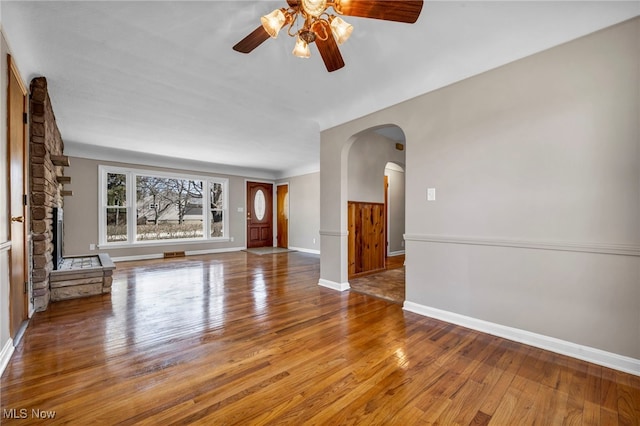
x: 130, y: 206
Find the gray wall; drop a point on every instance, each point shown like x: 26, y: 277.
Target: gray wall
x: 368, y: 157
x: 304, y: 211
x: 81, y: 212
x: 536, y: 224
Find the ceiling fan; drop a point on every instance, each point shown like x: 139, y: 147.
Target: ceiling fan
x: 311, y: 21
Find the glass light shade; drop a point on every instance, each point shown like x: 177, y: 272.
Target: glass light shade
x: 273, y: 22
x: 301, y: 49
x: 341, y: 30
x: 314, y: 7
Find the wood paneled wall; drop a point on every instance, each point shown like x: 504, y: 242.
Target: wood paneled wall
x: 366, y: 238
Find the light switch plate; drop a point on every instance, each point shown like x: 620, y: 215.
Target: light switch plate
x: 431, y: 194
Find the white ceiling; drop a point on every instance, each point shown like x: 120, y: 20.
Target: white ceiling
x: 160, y: 77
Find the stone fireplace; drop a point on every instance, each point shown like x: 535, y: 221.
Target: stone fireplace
x: 46, y: 191
x: 75, y: 276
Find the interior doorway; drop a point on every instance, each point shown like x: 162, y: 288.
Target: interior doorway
x: 282, y: 214
x: 376, y: 179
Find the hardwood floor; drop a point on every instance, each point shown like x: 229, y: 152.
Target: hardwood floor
x: 236, y: 338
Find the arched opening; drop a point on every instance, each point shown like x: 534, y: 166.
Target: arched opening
x: 375, y: 203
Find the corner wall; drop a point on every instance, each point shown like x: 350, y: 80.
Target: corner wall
x: 536, y: 225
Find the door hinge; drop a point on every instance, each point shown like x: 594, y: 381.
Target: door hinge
x: 25, y: 199
x: 25, y: 119
x: 26, y: 287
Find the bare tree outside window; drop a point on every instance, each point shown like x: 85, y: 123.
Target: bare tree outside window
x: 217, y: 210
x: 168, y: 208
x: 116, y: 207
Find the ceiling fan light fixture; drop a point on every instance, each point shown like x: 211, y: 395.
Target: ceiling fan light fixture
x: 315, y: 21
x: 341, y: 30
x: 301, y: 49
x: 273, y: 22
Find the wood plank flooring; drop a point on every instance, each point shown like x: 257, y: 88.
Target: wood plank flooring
x: 236, y: 338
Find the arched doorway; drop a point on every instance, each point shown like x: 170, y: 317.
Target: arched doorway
x: 375, y: 174
x: 335, y: 168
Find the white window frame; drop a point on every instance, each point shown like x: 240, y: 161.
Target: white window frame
x: 130, y: 205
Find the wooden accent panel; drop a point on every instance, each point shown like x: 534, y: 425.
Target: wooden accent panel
x: 366, y: 238
x: 239, y: 339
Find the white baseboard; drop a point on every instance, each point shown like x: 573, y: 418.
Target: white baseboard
x: 213, y: 251
x: 137, y: 257
x: 585, y: 353
x: 395, y: 253
x: 5, y: 355
x: 187, y: 253
x: 334, y: 285
x: 304, y: 250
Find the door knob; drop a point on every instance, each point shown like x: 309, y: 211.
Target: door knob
x: 17, y: 219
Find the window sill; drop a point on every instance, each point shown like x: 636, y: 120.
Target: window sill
x: 106, y: 246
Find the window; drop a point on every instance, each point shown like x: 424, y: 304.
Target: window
x: 143, y: 207
x: 217, y: 210
x: 116, y: 207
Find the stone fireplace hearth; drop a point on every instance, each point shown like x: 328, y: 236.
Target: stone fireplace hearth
x: 82, y: 276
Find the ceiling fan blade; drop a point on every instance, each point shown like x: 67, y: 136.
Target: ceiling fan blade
x: 253, y: 40
x: 329, y: 50
x: 389, y: 10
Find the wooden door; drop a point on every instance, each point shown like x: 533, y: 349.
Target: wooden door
x: 282, y: 195
x: 259, y: 214
x: 16, y: 111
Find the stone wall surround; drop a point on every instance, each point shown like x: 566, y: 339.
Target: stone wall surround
x: 45, y: 191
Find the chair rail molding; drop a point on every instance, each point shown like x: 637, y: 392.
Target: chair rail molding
x: 600, y: 248
x: 334, y: 233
